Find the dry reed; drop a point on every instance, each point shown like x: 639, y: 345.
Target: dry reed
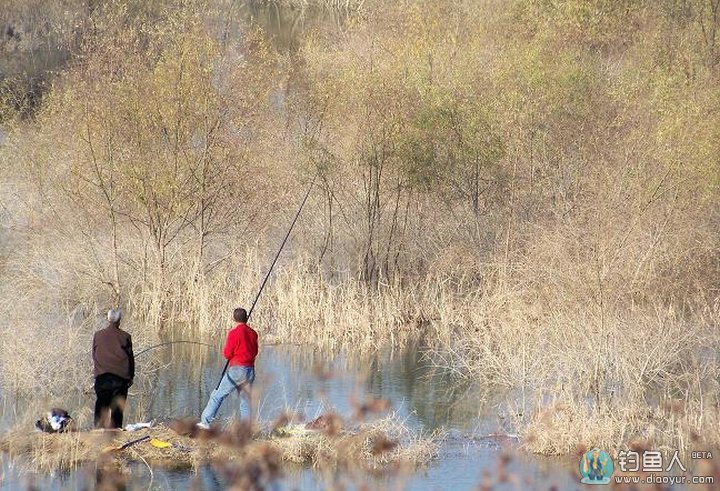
x: 372, y: 446
x: 338, y: 5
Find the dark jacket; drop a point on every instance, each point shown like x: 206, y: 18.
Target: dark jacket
x: 112, y: 352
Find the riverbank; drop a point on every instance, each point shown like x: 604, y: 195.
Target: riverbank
x: 469, y: 433
x: 179, y: 445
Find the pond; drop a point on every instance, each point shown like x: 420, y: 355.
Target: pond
x: 310, y: 381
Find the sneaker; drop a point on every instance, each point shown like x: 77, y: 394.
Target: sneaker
x: 203, y: 426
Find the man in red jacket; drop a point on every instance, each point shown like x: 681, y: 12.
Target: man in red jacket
x: 240, y: 350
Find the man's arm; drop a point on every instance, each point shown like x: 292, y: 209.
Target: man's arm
x: 254, y: 344
x: 92, y: 354
x: 230, y: 344
x: 131, y: 358
x: 94, y: 348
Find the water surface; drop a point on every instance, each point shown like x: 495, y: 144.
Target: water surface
x: 311, y: 382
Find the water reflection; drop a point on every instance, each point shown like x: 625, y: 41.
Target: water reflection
x: 285, y: 27
x: 437, y: 396
x: 179, y: 380
x: 308, y: 381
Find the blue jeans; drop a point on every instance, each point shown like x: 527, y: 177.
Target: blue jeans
x: 236, y: 378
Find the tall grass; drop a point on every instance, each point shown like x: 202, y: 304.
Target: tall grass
x: 340, y: 5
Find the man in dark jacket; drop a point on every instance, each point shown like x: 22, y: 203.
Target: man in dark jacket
x: 114, y: 371
x: 240, y: 350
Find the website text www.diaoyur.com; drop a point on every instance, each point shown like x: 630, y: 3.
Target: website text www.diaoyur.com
x: 654, y: 479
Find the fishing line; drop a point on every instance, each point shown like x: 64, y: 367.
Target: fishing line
x: 171, y: 342
x: 267, y: 276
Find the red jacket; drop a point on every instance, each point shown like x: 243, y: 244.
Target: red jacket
x: 241, y: 346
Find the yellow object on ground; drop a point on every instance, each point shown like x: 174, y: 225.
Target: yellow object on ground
x: 159, y: 443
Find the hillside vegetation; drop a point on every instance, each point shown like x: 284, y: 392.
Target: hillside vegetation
x: 531, y: 186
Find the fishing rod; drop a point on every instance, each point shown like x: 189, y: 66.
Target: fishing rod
x: 171, y: 342
x: 267, y: 276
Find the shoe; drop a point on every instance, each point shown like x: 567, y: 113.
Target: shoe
x: 203, y: 426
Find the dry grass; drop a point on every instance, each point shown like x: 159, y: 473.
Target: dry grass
x: 567, y: 428
x: 588, y: 376
x: 339, y: 5
x: 373, y: 447
x: 562, y: 429
x: 608, y: 372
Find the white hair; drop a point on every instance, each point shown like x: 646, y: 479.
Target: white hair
x: 114, y: 315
